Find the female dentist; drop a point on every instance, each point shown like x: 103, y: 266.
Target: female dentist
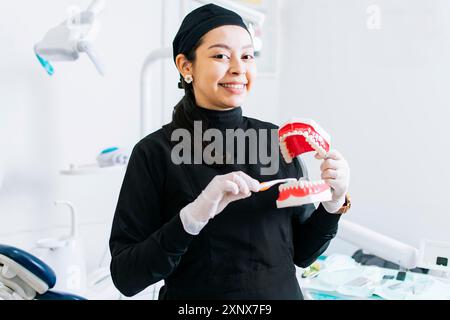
x: 204, y: 228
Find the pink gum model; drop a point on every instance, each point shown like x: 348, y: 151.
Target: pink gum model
x: 297, y: 137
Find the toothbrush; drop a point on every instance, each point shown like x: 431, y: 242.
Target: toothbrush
x: 264, y: 186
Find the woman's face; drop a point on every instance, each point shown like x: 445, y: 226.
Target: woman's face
x: 224, y: 68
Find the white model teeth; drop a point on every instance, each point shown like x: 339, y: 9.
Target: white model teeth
x: 285, y: 153
x: 316, y: 146
x: 233, y: 86
x: 316, y: 141
x: 301, y: 185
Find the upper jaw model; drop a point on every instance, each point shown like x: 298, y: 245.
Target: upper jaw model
x: 297, y: 137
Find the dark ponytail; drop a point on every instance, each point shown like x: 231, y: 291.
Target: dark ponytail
x: 185, y: 112
x: 182, y: 114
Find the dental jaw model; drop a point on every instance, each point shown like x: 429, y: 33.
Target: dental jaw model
x: 298, y: 137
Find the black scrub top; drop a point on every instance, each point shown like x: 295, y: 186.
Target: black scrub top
x: 249, y: 251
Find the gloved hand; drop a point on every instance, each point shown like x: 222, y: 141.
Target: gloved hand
x: 220, y: 192
x: 335, y: 172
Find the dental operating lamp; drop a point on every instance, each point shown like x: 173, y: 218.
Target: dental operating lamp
x: 71, y: 38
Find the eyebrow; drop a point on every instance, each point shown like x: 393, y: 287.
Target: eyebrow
x: 224, y: 46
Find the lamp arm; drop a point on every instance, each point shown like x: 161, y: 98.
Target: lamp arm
x: 88, y: 48
x: 97, y: 7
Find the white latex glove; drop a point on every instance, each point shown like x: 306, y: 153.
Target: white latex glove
x: 219, y: 193
x: 335, y: 172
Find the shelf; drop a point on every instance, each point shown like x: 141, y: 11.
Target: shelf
x: 92, y: 171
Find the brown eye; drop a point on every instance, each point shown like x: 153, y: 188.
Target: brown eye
x: 221, y: 56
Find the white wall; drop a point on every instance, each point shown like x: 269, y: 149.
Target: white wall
x: 47, y: 123
x: 383, y: 96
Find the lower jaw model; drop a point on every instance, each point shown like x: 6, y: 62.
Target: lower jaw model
x: 296, y: 138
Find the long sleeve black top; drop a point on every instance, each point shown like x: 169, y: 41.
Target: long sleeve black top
x: 249, y: 251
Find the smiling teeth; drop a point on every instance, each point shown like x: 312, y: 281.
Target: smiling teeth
x: 233, y: 86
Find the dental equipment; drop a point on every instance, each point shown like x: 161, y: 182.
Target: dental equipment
x: 432, y: 255
x: 23, y: 276
x: 112, y: 157
x: 378, y: 244
x: 296, y: 138
x: 435, y: 255
x: 363, y: 281
x: 146, y: 87
x: 66, y: 256
x: 109, y: 159
x: 72, y: 37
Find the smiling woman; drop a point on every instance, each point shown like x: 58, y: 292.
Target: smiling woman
x: 204, y: 228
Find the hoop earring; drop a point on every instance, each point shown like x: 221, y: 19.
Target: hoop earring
x: 189, y: 79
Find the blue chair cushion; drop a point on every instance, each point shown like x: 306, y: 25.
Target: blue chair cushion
x: 36, y: 266
x: 55, y: 295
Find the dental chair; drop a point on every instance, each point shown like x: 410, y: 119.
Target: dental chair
x: 25, y: 277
